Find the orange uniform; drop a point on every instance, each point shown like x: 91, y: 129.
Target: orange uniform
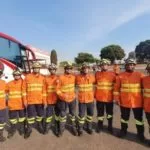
x: 85, y: 88
x: 146, y: 93
x: 33, y: 89
x: 104, y: 86
x: 2, y: 94
x: 127, y: 89
x: 14, y: 89
x: 66, y: 87
x: 50, y: 83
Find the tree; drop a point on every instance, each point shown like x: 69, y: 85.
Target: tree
x: 53, y: 57
x: 62, y: 63
x: 84, y: 57
x: 142, y: 51
x: 112, y: 52
x: 131, y: 55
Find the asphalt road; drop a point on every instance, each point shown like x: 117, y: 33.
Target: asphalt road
x: 101, y: 141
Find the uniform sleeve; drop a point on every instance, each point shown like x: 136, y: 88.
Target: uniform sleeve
x: 116, y: 91
x: 60, y: 94
x: 24, y: 91
x: 44, y: 94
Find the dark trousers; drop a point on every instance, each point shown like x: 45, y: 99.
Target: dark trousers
x: 51, y: 110
x: 101, y: 107
x: 62, y: 107
x: 16, y: 116
x: 138, y: 115
x: 2, y: 118
x: 35, y: 111
x: 148, y: 118
x: 86, y: 108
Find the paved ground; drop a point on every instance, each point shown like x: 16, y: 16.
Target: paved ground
x: 102, y: 141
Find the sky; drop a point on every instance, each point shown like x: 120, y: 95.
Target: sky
x: 73, y: 26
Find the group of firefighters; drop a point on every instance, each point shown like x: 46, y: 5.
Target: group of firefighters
x: 39, y: 100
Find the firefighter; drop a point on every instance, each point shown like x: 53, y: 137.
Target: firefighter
x: 34, y: 99
x: 66, y: 94
x: 127, y: 93
x: 85, y: 84
x: 50, y: 83
x: 146, y: 95
x: 15, y: 104
x: 116, y: 67
x: 104, y: 94
x: 2, y: 107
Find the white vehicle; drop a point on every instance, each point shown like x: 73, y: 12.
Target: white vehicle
x: 14, y: 54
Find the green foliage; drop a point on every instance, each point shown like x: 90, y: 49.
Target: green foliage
x: 142, y: 51
x: 84, y: 57
x: 112, y: 52
x: 62, y: 63
x: 53, y: 57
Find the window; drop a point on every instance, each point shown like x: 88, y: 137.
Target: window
x: 9, y: 49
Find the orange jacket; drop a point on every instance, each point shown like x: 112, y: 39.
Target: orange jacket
x: 127, y: 89
x: 66, y: 87
x: 15, y: 99
x: 2, y: 94
x: 146, y: 93
x: 104, y: 86
x: 34, y: 91
x: 50, y: 83
x: 85, y: 88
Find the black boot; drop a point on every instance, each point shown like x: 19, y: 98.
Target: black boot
x: 11, y: 131
x: 22, y: 128
x: 110, y: 128
x: 89, y: 128
x: 80, y: 129
x: 2, y: 138
x: 140, y: 133
x: 61, y: 128
x: 28, y: 131
x: 47, y: 127
x: 99, y: 126
x: 74, y: 128
x: 57, y: 129
x: 40, y: 127
x: 123, y: 132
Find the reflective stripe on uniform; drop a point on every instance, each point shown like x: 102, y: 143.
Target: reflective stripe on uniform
x: 89, y: 118
x: 2, y: 125
x: 2, y: 94
x: 116, y: 93
x: 56, y: 117
x: 49, y: 119
x: 62, y: 119
x: 81, y: 120
x: 39, y: 119
x: 72, y: 118
x: 13, y: 121
x: 109, y: 116
x: 136, y: 85
x: 68, y: 88
x: 51, y: 89
x: 124, y: 121
x: 31, y: 120
x: 133, y: 90
x: 100, y: 118
x: 140, y: 123
x: 22, y: 119
x: 34, y: 87
x: 104, y: 86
